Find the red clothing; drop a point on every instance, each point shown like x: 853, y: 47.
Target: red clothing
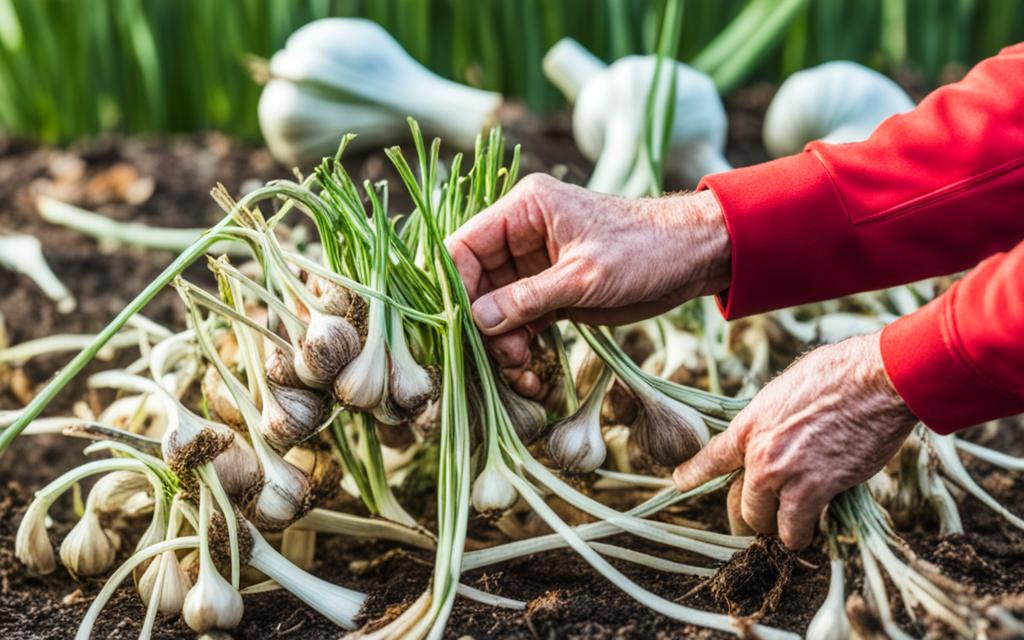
x: 931, y: 192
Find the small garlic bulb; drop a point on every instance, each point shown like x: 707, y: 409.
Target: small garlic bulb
x: 330, y: 343
x: 410, y: 385
x: 122, y: 493
x: 88, y: 549
x: 284, y: 495
x: 32, y: 544
x: 363, y: 382
x: 174, y: 583
x: 238, y: 469
x: 322, y: 469
x: 576, y: 443
x: 280, y: 367
x: 528, y: 417
x: 290, y: 415
x: 220, y: 401
x: 492, y: 492
x: 831, y: 622
x: 336, y: 299
x: 212, y: 603
x: 667, y: 431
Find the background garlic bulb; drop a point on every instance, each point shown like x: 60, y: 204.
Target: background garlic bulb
x: 609, y: 112
x: 348, y: 75
x: 834, y: 102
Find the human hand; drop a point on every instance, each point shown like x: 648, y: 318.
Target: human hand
x: 551, y: 250
x: 827, y: 423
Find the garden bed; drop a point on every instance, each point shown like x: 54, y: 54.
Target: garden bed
x: 166, y: 183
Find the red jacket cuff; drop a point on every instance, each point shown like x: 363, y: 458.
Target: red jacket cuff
x: 924, y: 361
x: 785, y: 221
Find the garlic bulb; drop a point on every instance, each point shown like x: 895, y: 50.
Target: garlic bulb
x: 290, y: 415
x: 212, y: 603
x: 339, y: 75
x: 834, y: 102
x: 32, y: 544
x: 831, y: 622
x: 322, y: 469
x: 173, y: 582
x: 492, y: 492
x: 23, y: 254
x: 667, y: 431
x: 609, y: 115
x: 122, y: 493
x: 336, y: 299
x: 284, y: 495
x: 576, y: 444
x: 528, y: 417
x: 364, y: 381
x: 219, y: 401
x: 280, y: 367
x: 410, y: 385
x: 88, y: 549
x: 330, y: 343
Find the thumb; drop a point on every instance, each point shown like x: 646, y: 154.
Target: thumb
x: 721, y: 455
x: 523, y: 301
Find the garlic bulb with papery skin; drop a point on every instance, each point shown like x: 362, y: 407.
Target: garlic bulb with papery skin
x: 528, y: 417
x: 409, y: 385
x: 610, y: 110
x: 88, y: 549
x: 336, y: 299
x: 212, y: 603
x: 32, y: 544
x: 576, y: 443
x: 219, y: 400
x: 124, y: 493
x: 330, y: 343
x: 364, y: 381
x: 290, y: 415
x: 321, y: 467
x: 667, y: 431
x: 492, y: 492
x: 174, y: 583
x: 834, y: 102
x: 831, y: 622
x: 280, y: 368
x: 339, y: 75
x: 284, y: 494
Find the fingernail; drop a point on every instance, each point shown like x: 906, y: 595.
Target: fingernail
x: 486, y: 313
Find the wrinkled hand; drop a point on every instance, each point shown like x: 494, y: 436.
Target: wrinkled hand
x: 549, y: 250
x: 829, y: 422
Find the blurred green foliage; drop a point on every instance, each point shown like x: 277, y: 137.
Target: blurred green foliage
x: 70, y: 68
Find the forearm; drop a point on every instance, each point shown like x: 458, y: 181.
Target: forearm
x: 959, y: 360
x: 931, y: 192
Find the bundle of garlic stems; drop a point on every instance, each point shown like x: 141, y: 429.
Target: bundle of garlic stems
x: 307, y: 370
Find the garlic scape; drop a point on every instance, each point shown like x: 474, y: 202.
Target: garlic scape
x: 834, y: 102
x: 609, y: 113
x: 211, y: 603
x: 576, y: 443
x: 339, y: 75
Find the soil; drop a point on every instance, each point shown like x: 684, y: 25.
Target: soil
x: 166, y: 182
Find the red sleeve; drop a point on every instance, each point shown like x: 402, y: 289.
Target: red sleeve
x: 931, y: 192
x: 959, y: 360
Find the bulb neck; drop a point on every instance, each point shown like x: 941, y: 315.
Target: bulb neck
x: 569, y: 66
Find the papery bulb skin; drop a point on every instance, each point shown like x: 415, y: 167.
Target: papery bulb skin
x: 291, y: 415
x: 528, y: 417
x: 364, y: 381
x: 330, y: 343
x: 336, y: 299
x: 32, y: 544
x: 174, y: 585
x: 239, y: 470
x: 427, y: 420
x: 122, y: 493
x: 620, y: 405
x: 576, y: 444
x: 283, y: 498
x: 492, y: 492
x: 88, y: 549
x: 280, y: 368
x: 219, y: 400
x: 667, y: 431
x: 322, y: 469
x: 212, y: 603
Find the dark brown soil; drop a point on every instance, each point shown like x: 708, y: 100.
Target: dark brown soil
x: 566, y: 599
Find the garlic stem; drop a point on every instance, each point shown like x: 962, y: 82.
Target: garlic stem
x: 25, y: 351
x: 24, y: 254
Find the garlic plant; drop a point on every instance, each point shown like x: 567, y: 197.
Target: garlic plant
x: 834, y: 102
x: 338, y: 75
x: 609, y: 116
